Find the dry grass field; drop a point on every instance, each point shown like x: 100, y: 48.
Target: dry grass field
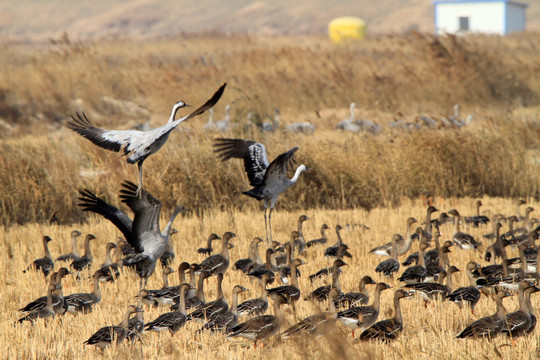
x: 378, y: 180
x: 428, y: 333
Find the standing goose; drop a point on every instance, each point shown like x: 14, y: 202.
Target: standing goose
x: 427, y: 227
x: 477, y: 219
x: 74, y: 254
x: 168, y: 295
x: 84, y: 261
x: 107, y: 334
x: 58, y: 302
x: 469, y: 294
x: 108, y: 249
x: 261, y: 327
x: 208, y: 249
x: 489, y: 326
x: 290, y: 292
x: 403, y: 244
x: 253, y: 259
x: 83, y: 302
x: 356, y: 298
x: 44, y: 313
x: 461, y: 239
x: 137, y: 145
x: 212, y: 308
x: 518, y: 322
x: 363, y: 316
x: 267, y: 268
x: 225, y: 321
x: 112, y: 271
x: 45, y: 264
x: 300, y: 242
x: 258, y: 305
x: 196, y: 301
x: 389, y: 266
x: 148, y: 298
x: 418, y: 272
x: 136, y: 323
x: 219, y: 263
x: 174, y: 320
x: 315, y: 324
x: 321, y: 293
x: 269, y: 180
x: 334, y: 251
x: 142, y: 233
x: 322, y: 240
x: 528, y: 294
x: 388, y: 329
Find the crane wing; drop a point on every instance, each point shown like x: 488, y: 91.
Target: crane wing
x: 90, y: 202
x: 253, y: 153
x: 146, y: 209
x: 278, y: 169
x: 112, y: 140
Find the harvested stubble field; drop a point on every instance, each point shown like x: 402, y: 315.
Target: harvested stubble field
x: 43, y: 165
x: 428, y: 333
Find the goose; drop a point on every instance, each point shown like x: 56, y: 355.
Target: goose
x: 267, y: 268
x: 168, y: 295
x: 290, y: 292
x: 338, y: 250
x: 208, y: 249
x: 142, y: 233
x: 322, y: 240
x: 356, y: 298
x: 469, y: 294
x: 212, y: 308
x: 112, y: 270
x: 108, y: 249
x: 137, y: 145
x: 261, y: 327
x: 528, y: 292
x: 300, y: 242
x: 321, y: 293
x: 105, y: 336
x: 269, y: 180
x: 46, y: 312
x: 461, y: 239
x: 388, y: 329
x: 149, y: 298
x: 45, y: 264
x: 225, y: 321
x: 219, y: 263
x: 389, y: 266
x: 136, y: 323
x: 196, y: 301
x: 489, y: 326
x: 168, y: 255
x: 84, y: 261
x: 83, y: 302
x: 317, y: 323
x: 477, y: 219
x: 58, y: 303
x: 258, y: 305
x: 403, y: 244
x: 174, y: 320
x: 418, y: 272
x: 362, y: 316
x: 253, y: 259
x: 427, y: 227
x: 430, y: 291
x: 518, y: 322
x: 74, y: 254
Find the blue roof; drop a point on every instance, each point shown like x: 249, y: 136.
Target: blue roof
x: 436, y: 2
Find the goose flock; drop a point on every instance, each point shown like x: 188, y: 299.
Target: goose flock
x: 145, y: 247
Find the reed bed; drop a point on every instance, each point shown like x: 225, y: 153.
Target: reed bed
x: 428, y: 332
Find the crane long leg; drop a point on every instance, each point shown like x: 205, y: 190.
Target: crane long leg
x: 266, y: 225
x: 270, y: 223
x: 139, y: 190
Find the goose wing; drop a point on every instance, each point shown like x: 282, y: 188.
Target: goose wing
x: 90, y: 202
x: 254, y: 155
x: 253, y: 327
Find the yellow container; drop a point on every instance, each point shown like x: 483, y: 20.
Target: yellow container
x: 346, y: 28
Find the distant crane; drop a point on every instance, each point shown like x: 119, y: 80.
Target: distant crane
x: 143, y: 233
x: 137, y: 144
x: 269, y: 180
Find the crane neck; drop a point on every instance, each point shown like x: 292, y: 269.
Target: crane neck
x: 297, y: 173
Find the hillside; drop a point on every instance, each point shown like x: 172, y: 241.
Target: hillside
x: 151, y: 18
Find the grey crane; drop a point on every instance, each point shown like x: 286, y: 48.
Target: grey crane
x: 137, y: 145
x: 269, y: 180
x: 143, y: 233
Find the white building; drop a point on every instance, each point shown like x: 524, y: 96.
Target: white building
x: 483, y: 16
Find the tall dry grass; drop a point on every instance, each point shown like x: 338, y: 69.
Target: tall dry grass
x: 428, y: 332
